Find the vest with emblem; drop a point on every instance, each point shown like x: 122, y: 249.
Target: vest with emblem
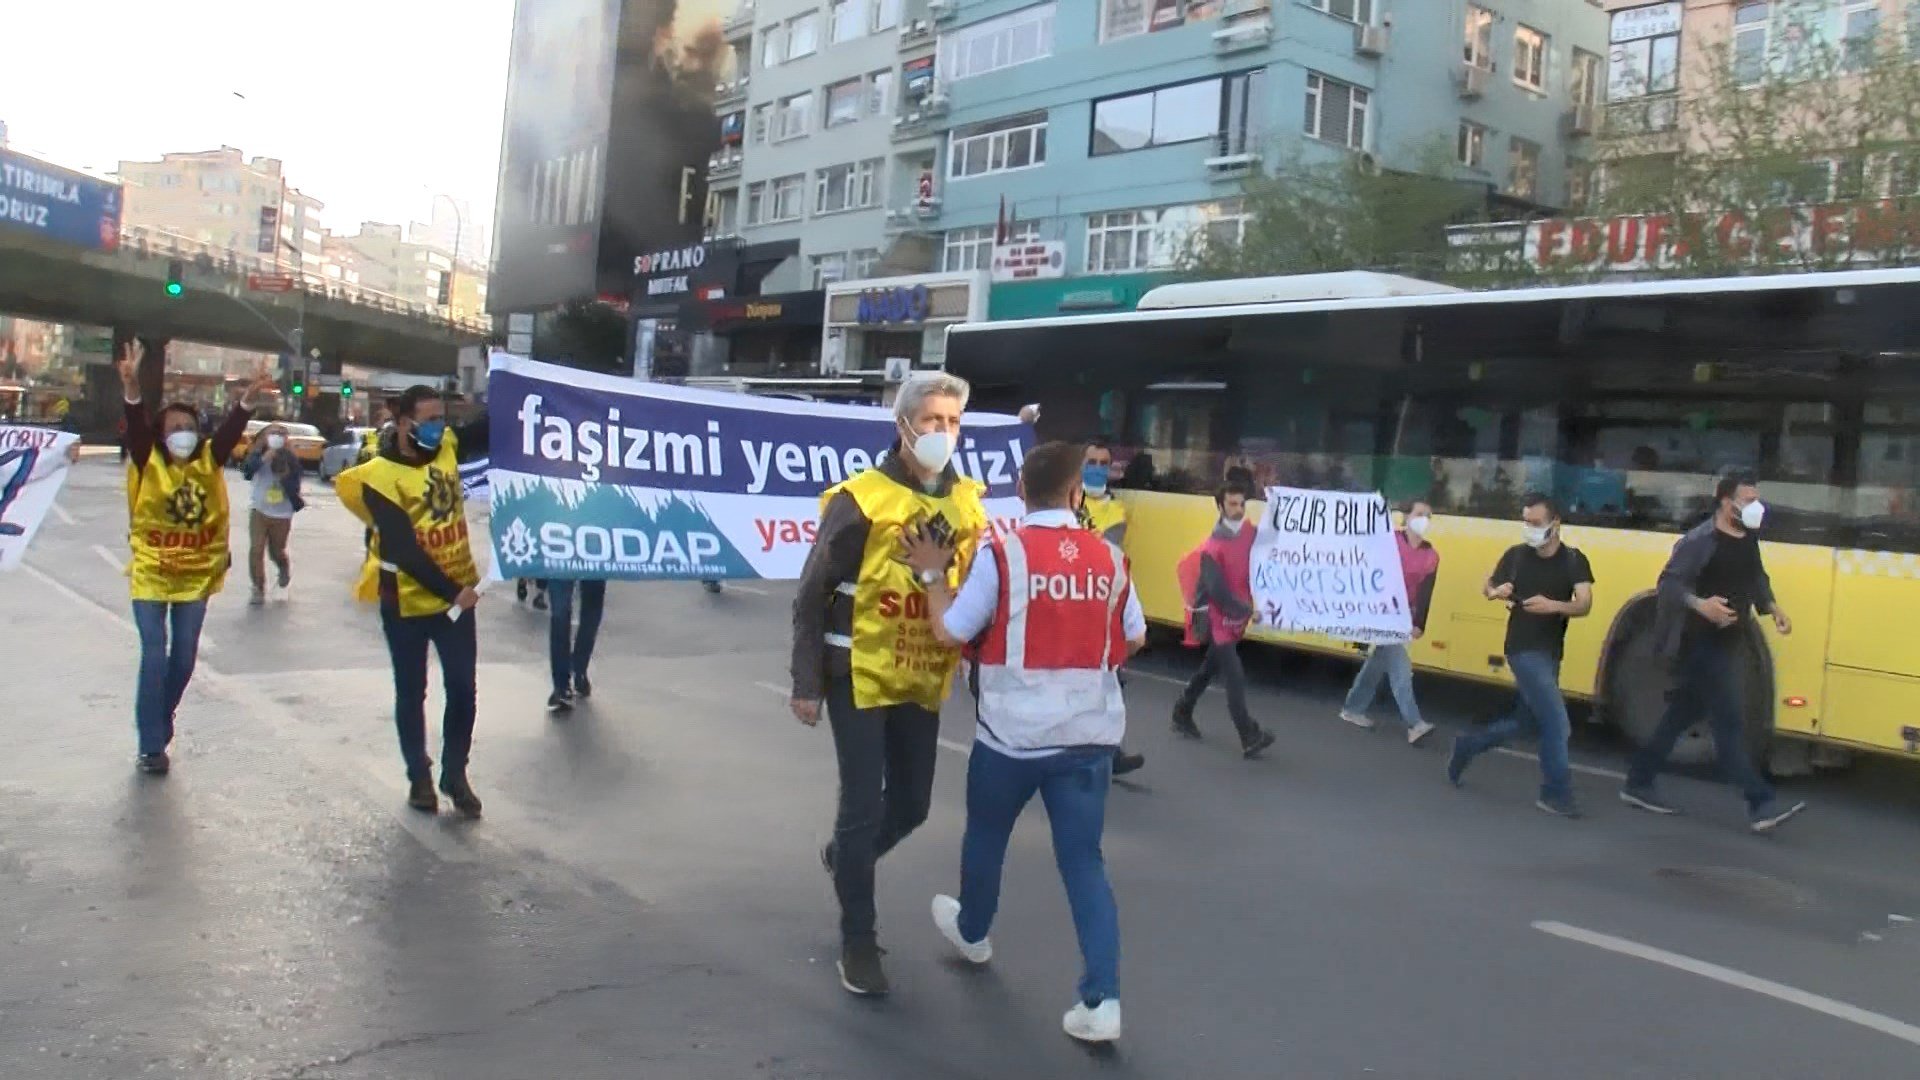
x: 895, y: 658
x: 431, y: 497
x: 177, y: 527
x: 1050, y: 659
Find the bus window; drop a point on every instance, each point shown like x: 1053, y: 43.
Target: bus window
x: 1886, y: 501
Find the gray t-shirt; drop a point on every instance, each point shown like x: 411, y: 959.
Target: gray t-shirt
x: 269, y: 494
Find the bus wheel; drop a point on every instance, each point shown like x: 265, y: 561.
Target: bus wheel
x: 1638, y: 683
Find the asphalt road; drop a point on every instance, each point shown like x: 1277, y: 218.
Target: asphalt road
x: 643, y: 898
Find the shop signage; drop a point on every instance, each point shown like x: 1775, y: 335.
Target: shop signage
x: 1653, y: 20
x: 668, y: 270
x: 1029, y: 262
x: 897, y: 305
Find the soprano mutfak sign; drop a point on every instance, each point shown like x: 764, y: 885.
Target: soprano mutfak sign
x: 1326, y: 562
x: 1839, y: 233
x: 595, y: 476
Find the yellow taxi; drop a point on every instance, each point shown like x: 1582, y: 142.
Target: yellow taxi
x: 305, y: 440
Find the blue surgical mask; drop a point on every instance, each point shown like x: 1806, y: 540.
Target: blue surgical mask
x: 1094, y: 479
x: 428, y: 433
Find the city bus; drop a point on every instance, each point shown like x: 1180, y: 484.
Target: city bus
x: 1621, y: 401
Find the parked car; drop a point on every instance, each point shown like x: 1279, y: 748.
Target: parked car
x: 343, y: 453
x: 304, y: 440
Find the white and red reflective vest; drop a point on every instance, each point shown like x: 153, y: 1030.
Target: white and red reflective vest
x: 1050, y: 658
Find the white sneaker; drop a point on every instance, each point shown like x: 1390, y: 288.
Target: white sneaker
x: 1357, y: 719
x: 1098, y: 1024
x: 1419, y: 731
x: 946, y: 916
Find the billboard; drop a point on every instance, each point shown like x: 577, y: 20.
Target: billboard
x: 598, y: 140
x: 57, y: 203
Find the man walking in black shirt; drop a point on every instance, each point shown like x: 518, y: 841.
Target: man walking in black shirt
x: 1712, y: 580
x: 1544, y: 583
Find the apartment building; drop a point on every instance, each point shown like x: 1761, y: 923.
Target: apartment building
x: 228, y: 202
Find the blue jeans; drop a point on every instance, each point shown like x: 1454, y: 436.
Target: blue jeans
x: 569, y: 654
x: 1073, y: 785
x: 408, y: 639
x: 1708, y: 683
x: 1394, y: 664
x: 165, y: 666
x: 1536, y: 681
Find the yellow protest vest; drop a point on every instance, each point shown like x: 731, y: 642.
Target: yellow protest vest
x: 895, y: 657
x: 369, y: 446
x: 433, y: 501
x: 1102, y: 512
x: 177, y: 527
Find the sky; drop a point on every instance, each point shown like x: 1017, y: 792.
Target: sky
x: 374, y: 105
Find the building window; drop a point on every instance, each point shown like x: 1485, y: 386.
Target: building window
x: 1585, y: 86
x: 1131, y: 240
x: 864, y: 263
x: 1860, y: 33
x: 773, y: 46
x: 828, y: 269
x: 844, y: 100
x: 756, y: 204
x: 1186, y: 112
x: 1123, y: 18
x: 1472, y: 145
x: 1750, y: 43
x: 1019, y: 37
x: 794, y: 117
x: 880, y: 92
x: 757, y: 128
x: 1579, y: 185
x: 849, y: 19
x: 803, y: 35
x: 1355, y: 11
x: 847, y: 187
x: 885, y: 15
x: 1479, y: 48
x: 1530, y: 59
x: 1018, y: 142
x: 972, y: 249
x: 723, y: 213
x: 1336, y: 112
x: 785, y: 198
x: 1523, y: 168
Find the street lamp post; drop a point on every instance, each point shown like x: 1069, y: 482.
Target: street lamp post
x: 459, y: 232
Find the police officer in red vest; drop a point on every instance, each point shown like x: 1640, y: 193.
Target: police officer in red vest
x: 1054, y: 610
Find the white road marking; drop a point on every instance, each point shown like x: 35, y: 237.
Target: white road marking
x: 772, y: 689
x: 734, y: 586
x: 1590, y: 770
x: 61, y: 513
x: 1840, y: 1010
x: 108, y: 558
x: 949, y: 744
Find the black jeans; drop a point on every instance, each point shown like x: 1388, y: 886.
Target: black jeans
x: 1223, y: 659
x: 458, y: 645
x: 886, y: 785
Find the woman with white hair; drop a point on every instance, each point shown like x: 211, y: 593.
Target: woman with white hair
x: 864, y: 647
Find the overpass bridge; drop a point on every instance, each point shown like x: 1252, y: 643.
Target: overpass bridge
x: 125, y: 289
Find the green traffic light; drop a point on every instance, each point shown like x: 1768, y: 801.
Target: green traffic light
x: 346, y: 389
x: 174, y: 289
x: 299, y: 389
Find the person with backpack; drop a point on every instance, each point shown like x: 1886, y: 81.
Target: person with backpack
x: 1220, y: 609
x: 1420, y: 565
x: 274, y: 474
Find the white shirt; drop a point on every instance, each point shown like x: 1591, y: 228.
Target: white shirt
x: 979, y: 595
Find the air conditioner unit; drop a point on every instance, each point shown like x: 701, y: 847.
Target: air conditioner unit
x: 1367, y: 164
x: 1583, y: 119
x: 1226, y: 166
x: 1371, y: 41
x: 1252, y: 33
x: 940, y: 9
x: 936, y: 103
x: 1473, y: 80
x: 1234, y: 9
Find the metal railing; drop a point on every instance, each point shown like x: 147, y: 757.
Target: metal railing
x: 148, y: 243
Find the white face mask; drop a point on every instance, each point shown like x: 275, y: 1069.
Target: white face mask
x: 1535, y: 535
x: 276, y: 442
x: 182, y: 444
x: 1418, y: 525
x: 932, y: 450
x: 1752, y: 514
x: 1233, y: 524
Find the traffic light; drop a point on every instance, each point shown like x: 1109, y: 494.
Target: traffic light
x: 346, y: 389
x: 298, y: 386
x: 176, y: 273
x: 446, y: 288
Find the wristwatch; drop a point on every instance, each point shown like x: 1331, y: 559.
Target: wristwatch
x: 930, y: 577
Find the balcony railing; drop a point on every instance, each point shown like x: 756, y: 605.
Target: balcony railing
x: 730, y: 93
x: 725, y: 163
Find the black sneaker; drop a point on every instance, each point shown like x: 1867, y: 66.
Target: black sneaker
x: 520, y: 590
x: 420, y: 796
x: 454, y: 786
x: 826, y: 857
x: 1457, y: 761
x: 1124, y: 763
x: 559, y: 703
x: 712, y: 587
x: 1183, y: 725
x: 1560, y: 806
x: 1258, y: 746
x: 286, y: 576
x: 540, y: 600
x: 153, y: 764
x: 860, y: 970
x: 1645, y: 799
x: 582, y: 686
x: 1768, y: 817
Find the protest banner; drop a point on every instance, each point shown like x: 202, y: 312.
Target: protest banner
x: 597, y: 476
x: 1326, y: 562
x: 33, y: 465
